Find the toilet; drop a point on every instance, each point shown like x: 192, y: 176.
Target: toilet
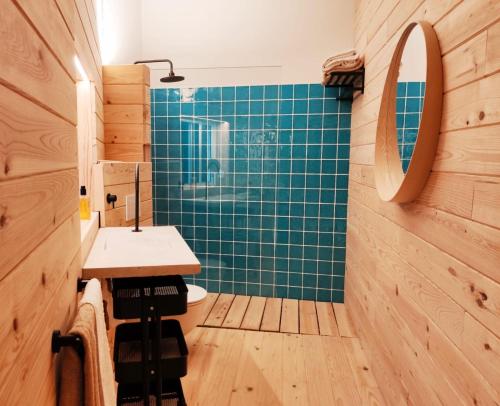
x: 196, y: 302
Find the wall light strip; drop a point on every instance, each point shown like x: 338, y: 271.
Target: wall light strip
x: 79, y: 68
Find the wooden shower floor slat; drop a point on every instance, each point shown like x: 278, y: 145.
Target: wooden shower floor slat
x: 236, y: 312
x: 277, y: 315
x: 272, y: 315
x: 219, y: 311
x: 290, y: 316
x: 308, y: 319
x: 254, y: 313
x: 210, y: 302
x: 326, y: 319
x: 345, y: 327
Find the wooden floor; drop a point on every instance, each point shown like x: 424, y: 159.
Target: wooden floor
x: 266, y: 351
x: 276, y: 315
x: 244, y: 367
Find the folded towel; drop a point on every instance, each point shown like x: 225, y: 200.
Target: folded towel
x: 71, y: 384
x: 348, y: 61
x: 346, y: 64
x: 342, y: 55
x: 93, y: 296
x: 94, y: 386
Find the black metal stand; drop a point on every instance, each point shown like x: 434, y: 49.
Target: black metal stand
x: 150, y: 299
x: 151, y: 315
x: 141, y: 365
x: 145, y: 349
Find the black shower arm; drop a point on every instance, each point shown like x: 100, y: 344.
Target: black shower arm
x: 157, y: 60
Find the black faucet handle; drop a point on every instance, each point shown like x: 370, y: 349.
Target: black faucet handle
x: 111, y: 199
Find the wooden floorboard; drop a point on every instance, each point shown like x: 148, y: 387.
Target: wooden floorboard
x: 317, y: 375
x: 236, y: 312
x: 294, y: 385
x: 255, y: 311
x: 276, y: 315
x: 290, y: 316
x: 308, y: 319
x: 243, y: 367
x: 326, y: 319
x: 368, y: 389
x: 343, y: 323
x: 210, y: 301
x: 219, y: 311
x: 341, y: 375
x: 272, y: 315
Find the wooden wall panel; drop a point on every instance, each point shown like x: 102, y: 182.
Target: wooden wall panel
x: 40, y: 239
x: 28, y: 66
x: 52, y: 26
x: 127, y: 133
x: 33, y: 140
x: 126, y: 74
x: 126, y: 113
x: 118, y: 178
x: 39, y: 285
x: 423, y: 279
x: 45, y: 200
x: 81, y: 23
x: 125, y: 152
x: 126, y: 94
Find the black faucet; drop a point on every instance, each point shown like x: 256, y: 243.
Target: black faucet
x: 137, y: 200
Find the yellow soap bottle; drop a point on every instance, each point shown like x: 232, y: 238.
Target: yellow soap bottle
x: 84, y: 204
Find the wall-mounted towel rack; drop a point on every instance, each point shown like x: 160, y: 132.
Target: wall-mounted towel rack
x: 59, y: 341
x: 80, y: 284
x: 351, y: 81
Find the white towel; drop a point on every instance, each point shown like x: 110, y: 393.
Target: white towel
x: 93, y: 295
x: 342, y: 63
x: 91, y: 382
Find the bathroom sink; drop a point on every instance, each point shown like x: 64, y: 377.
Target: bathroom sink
x: 155, y: 251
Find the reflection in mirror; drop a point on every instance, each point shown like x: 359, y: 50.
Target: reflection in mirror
x: 410, y: 94
x: 205, y: 153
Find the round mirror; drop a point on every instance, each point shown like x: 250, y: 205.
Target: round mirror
x: 410, y: 115
x: 410, y: 94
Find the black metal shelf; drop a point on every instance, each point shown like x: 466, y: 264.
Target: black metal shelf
x: 128, y: 352
x: 130, y: 294
x: 149, y: 354
x: 131, y: 395
x: 348, y: 83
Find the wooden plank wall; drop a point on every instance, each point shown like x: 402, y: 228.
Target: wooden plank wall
x: 39, y: 221
x: 80, y: 18
x: 127, y: 128
x: 118, y: 178
x: 423, y: 279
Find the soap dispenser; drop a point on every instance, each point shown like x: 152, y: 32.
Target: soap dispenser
x: 84, y: 204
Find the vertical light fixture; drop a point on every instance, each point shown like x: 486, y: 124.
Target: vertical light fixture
x: 80, y: 70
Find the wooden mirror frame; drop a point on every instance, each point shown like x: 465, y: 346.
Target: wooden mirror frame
x: 393, y: 185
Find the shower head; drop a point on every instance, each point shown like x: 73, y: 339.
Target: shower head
x: 172, y: 77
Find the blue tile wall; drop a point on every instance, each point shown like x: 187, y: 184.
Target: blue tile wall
x: 255, y: 179
x: 409, y: 105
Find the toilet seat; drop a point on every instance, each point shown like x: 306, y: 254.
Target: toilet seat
x: 195, y: 294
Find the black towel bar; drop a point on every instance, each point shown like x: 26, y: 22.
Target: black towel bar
x: 59, y: 341
x: 80, y: 284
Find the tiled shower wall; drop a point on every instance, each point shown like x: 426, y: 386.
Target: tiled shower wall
x: 409, y: 105
x: 255, y: 179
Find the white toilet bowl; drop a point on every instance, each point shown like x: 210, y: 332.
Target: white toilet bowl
x: 195, y: 309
